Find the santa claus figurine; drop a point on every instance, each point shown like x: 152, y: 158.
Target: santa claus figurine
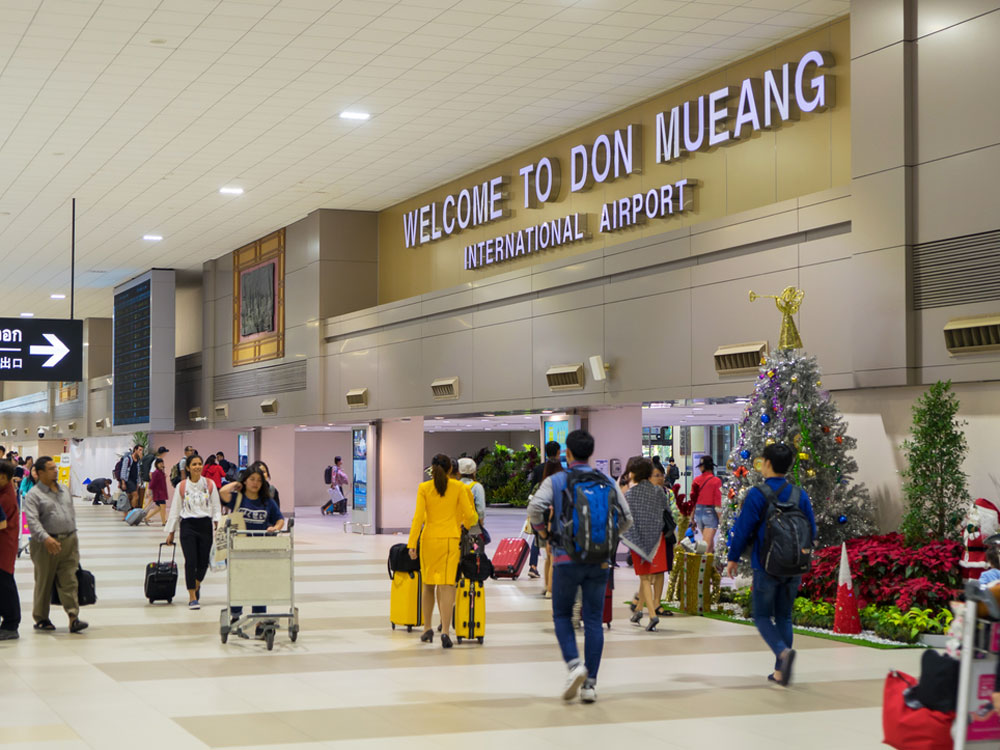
x: 982, y: 522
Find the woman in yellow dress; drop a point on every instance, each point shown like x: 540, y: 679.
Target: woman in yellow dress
x: 444, y: 506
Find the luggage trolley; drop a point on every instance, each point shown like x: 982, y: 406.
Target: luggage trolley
x: 260, y: 571
x: 977, y: 724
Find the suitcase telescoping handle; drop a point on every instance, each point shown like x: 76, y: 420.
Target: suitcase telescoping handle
x: 159, y: 554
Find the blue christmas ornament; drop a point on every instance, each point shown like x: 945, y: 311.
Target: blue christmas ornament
x: 842, y: 520
x: 744, y: 454
x: 764, y: 419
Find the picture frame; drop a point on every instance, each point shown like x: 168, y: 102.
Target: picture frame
x: 259, y: 300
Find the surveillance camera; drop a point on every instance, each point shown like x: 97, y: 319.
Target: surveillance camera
x: 41, y: 432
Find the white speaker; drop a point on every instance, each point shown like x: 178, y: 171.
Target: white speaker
x: 598, y: 369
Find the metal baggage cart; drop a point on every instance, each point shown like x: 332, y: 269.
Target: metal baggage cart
x: 260, y: 571
x: 977, y: 724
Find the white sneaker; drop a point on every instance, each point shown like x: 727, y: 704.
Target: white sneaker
x: 574, y: 680
x: 588, y: 694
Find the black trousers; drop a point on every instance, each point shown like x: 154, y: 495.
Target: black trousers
x: 10, y: 602
x: 196, y: 542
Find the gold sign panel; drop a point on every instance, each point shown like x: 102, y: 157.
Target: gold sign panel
x: 259, y: 300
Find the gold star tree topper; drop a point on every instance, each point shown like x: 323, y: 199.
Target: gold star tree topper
x: 788, y: 304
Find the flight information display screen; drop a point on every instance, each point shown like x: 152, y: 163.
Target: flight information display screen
x: 131, y: 366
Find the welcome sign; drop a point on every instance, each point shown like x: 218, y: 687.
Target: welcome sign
x: 723, y: 117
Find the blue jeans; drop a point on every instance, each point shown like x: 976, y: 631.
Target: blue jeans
x: 533, y: 557
x: 773, y: 598
x: 566, y: 580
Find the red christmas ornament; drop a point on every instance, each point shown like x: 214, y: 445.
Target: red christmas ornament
x: 846, y: 620
x: 732, y: 493
x: 839, y: 439
x: 826, y: 429
x: 741, y: 471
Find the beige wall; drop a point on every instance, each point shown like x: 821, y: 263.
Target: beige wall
x: 797, y: 159
x: 617, y: 433
x: 314, y: 451
x: 401, y: 469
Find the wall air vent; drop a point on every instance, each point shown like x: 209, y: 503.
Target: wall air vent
x: 194, y: 414
x: 565, y: 377
x: 55, y: 428
x: 740, y: 359
x: 102, y: 424
x: 445, y: 389
x: 222, y: 411
x: 357, y: 398
x: 973, y: 335
x: 269, y: 406
x: 71, y: 426
x: 942, y: 270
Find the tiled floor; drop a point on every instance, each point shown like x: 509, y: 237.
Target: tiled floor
x: 158, y: 676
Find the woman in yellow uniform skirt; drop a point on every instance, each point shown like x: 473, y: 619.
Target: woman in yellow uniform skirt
x: 444, y: 506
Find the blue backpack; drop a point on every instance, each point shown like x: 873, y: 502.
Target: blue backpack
x: 587, y: 513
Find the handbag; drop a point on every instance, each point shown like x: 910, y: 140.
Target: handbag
x: 907, y: 728
x: 86, y: 589
x: 218, y: 556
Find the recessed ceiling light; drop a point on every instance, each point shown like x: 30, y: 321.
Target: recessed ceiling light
x: 438, y: 417
x: 231, y: 191
x: 152, y: 237
x: 348, y: 115
x: 546, y: 411
x: 157, y: 41
x: 27, y: 315
x: 489, y: 415
x: 57, y: 296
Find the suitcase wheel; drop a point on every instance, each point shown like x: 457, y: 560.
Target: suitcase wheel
x: 293, y: 633
x: 393, y: 625
x: 459, y: 639
x: 480, y: 639
x: 609, y: 626
x: 514, y: 578
x: 170, y: 600
x: 409, y: 628
x: 151, y: 601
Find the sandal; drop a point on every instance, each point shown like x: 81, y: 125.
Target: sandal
x: 45, y: 625
x: 660, y: 612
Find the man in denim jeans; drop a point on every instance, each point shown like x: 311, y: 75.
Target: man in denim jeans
x: 773, y: 596
x: 568, y: 577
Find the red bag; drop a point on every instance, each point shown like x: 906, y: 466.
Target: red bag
x: 912, y: 729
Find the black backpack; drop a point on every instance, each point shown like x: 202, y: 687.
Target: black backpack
x: 788, y: 542
x: 475, y: 566
x: 400, y: 562
x: 328, y: 475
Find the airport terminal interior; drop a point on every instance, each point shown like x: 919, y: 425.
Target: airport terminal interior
x: 692, y: 307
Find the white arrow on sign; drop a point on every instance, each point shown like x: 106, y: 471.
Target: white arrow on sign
x: 58, y: 350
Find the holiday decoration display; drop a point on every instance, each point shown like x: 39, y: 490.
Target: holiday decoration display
x: 788, y: 303
x: 787, y: 406
x: 981, y: 522
x: 823, y: 467
x: 846, y: 619
x: 934, y: 487
x: 694, y: 582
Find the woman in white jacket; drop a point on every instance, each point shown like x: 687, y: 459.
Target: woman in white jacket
x: 196, y: 507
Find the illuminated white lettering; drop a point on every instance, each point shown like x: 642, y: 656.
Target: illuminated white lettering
x: 717, y: 116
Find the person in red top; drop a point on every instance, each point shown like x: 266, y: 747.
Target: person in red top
x: 706, y: 490
x: 214, y: 472
x: 157, y: 492
x: 10, y: 525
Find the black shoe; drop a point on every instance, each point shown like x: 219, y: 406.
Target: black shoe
x: 445, y: 641
x: 653, y: 622
x: 8, y: 635
x: 77, y: 626
x: 660, y: 612
x: 428, y: 636
x: 45, y: 625
x: 787, y: 661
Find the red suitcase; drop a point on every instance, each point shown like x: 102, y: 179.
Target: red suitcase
x: 509, y: 559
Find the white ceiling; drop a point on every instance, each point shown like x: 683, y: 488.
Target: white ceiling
x: 143, y: 109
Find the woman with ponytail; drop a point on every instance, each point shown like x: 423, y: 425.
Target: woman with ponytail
x: 444, y: 506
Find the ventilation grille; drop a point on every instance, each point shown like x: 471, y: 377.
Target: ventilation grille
x: 973, y: 335
x: 357, y: 398
x: 222, y: 411
x: 445, y: 389
x: 956, y: 271
x: 739, y: 359
x: 269, y: 406
x: 565, y: 377
x: 194, y: 414
x: 274, y: 379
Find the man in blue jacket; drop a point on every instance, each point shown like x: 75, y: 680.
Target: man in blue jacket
x: 773, y: 596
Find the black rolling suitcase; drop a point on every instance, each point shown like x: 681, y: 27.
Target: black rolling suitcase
x: 161, y: 577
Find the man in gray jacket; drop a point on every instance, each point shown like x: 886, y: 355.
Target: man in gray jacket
x: 569, y: 576
x: 55, y: 552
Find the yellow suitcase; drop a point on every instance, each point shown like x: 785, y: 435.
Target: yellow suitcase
x: 404, y: 602
x: 470, y: 611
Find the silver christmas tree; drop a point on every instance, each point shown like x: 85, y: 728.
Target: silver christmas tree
x: 789, y: 406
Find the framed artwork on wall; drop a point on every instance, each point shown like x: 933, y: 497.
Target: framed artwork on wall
x: 259, y: 300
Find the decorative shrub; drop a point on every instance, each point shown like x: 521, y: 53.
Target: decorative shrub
x: 504, y: 474
x: 887, y: 572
